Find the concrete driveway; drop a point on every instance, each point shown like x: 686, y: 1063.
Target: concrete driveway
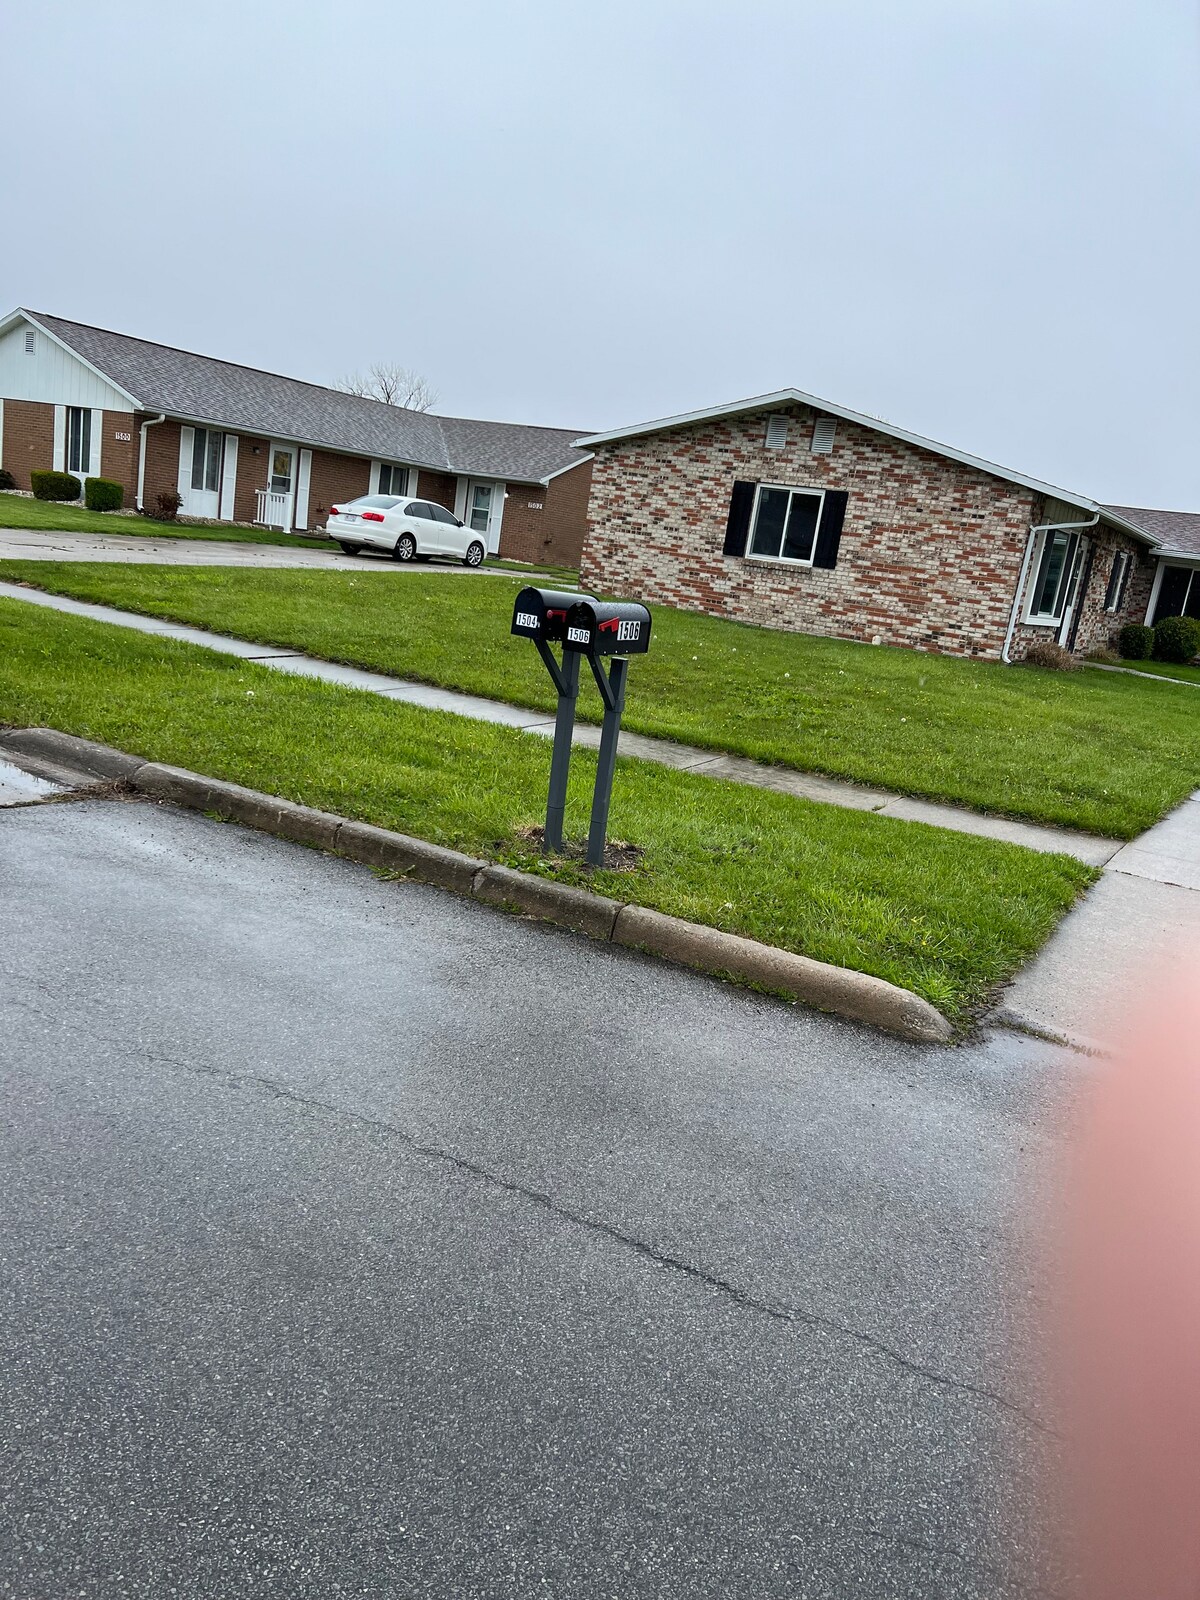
x: 26, y: 544
x: 361, y: 1241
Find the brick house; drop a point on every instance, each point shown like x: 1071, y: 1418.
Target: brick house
x: 241, y: 445
x: 791, y: 512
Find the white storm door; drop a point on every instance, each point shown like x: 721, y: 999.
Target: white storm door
x: 303, y: 478
x: 482, y: 516
x: 282, y: 480
x: 202, y: 496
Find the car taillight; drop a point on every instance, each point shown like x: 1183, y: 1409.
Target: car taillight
x: 335, y: 511
x: 372, y: 516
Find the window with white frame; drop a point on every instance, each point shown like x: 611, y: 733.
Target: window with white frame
x: 206, y: 458
x: 1054, y: 575
x: 783, y: 523
x: 393, y: 480
x: 1178, y: 593
x: 79, y: 439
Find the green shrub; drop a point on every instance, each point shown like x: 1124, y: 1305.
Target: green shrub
x: 102, y: 494
x: 7, y: 481
x: 1136, y: 642
x: 54, y: 485
x: 1176, y: 639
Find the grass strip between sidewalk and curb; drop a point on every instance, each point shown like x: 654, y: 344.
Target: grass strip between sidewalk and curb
x: 1104, y: 752
x: 947, y: 916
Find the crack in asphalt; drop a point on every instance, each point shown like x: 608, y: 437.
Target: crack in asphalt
x: 777, y: 1310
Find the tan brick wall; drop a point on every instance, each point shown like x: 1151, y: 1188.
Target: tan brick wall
x: 547, y: 522
x: 438, y: 487
x: 335, y: 478
x: 28, y: 439
x: 930, y: 551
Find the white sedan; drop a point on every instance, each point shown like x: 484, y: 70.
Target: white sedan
x: 409, y: 530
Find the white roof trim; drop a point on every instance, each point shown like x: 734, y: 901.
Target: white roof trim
x: 572, y: 466
x: 765, y: 402
x: 21, y: 315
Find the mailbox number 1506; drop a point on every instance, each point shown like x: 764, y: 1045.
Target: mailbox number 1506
x: 579, y: 635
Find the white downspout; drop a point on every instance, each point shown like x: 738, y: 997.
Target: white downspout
x: 1042, y: 527
x: 150, y: 422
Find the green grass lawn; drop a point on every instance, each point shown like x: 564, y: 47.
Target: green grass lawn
x: 941, y: 913
x: 1101, y: 751
x: 51, y: 516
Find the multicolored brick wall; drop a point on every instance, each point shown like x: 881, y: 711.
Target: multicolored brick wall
x: 930, y: 554
x: 930, y: 551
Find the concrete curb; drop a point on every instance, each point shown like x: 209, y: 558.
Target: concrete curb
x: 839, y: 990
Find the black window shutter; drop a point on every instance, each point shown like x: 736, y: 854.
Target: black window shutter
x: 1114, y: 583
x: 829, y: 533
x: 1126, y: 569
x: 737, y: 529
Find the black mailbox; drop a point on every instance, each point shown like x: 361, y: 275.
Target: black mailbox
x: 542, y: 613
x: 599, y: 629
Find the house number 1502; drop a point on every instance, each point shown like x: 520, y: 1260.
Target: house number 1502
x: 122, y: 438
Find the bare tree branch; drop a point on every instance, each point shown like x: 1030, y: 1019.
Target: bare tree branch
x: 393, y: 384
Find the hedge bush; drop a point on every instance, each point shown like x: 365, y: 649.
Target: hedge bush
x: 102, y: 494
x: 7, y: 481
x: 54, y: 485
x: 1136, y: 642
x: 1176, y: 639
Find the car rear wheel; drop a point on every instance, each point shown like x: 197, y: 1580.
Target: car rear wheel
x: 475, y: 554
x: 351, y: 549
x: 406, y: 548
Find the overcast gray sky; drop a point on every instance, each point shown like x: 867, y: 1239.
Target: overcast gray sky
x: 977, y: 218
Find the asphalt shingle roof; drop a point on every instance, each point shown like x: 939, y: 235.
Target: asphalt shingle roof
x: 203, y: 389
x: 1173, y: 530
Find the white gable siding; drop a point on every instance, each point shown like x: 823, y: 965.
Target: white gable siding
x: 51, y: 374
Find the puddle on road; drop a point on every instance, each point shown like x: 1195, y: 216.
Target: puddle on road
x: 18, y: 788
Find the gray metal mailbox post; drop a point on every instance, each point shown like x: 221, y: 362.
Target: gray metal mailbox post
x: 541, y: 615
x: 618, y: 630
x: 584, y: 626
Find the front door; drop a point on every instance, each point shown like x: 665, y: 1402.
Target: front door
x: 204, y: 494
x: 482, y: 500
x: 1074, y: 592
x: 282, y: 483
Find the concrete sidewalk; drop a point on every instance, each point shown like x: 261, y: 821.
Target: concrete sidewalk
x: 1136, y: 927
x: 31, y: 544
x: 707, y: 763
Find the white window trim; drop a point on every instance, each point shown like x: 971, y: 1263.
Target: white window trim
x: 1041, y: 619
x: 1163, y: 564
x: 781, y: 560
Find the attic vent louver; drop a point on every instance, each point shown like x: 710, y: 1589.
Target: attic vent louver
x: 29, y: 336
x: 824, y: 429
x: 777, y: 432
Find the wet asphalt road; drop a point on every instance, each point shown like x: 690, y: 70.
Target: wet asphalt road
x: 360, y: 1241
